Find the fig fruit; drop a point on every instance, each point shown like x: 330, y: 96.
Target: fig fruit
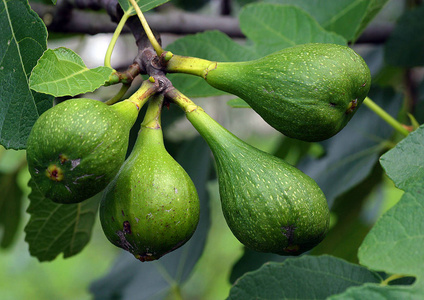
x: 76, y: 148
x: 151, y: 207
x: 269, y: 205
x: 308, y: 92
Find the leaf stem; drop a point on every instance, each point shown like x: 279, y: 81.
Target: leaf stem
x: 385, y: 116
x: 119, y: 95
x: 386, y: 281
x: 147, y: 29
x: 115, y: 36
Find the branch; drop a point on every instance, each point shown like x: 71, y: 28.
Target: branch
x: 174, y: 22
x: 89, y: 22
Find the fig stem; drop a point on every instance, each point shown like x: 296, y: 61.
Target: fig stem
x: 115, y: 36
x: 143, y: 94
x: 147, y: 29
x: 153, y: 113
x: 119, y: 95
x: 182, y: 101
x: 385, y: 116
x: 189, y: 65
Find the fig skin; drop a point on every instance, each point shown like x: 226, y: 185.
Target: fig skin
x: 269, y: 205
x: 308, y: 92
x: 151, y: 207
x: 76, y: 148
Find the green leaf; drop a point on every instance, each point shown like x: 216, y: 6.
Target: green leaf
x: 23, y: 39
x: 61, y: 72
x: 306, y: 277
x: 131, y: 279
x: 347, y: 18
x: 252, y: 260
x: 372, y: 291
x: 54, y: 228
x: 352, y: 153
x: 394, y: 244
x: 238, y: 103
x: 409, y: 171
x: 145, y: 5
x: 374, y: 7
x: 274, y: 27
x: 405, y: 46
x: 10, y: 207
x: 211, y: 45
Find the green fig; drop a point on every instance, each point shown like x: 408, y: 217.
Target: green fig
x: 151, y: 207
x: 308, y: 92
x: 269, y: 205
x: 76, y: 148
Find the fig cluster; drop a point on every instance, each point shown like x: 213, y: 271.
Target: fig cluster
x: 150, y: 206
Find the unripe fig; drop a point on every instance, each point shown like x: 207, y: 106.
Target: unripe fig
x: 269, y: 205
x: 308, y: 92
x: 151, y: 207
x: 77, y: 147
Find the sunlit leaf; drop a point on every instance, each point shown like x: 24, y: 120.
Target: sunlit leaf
x: 61, y: 72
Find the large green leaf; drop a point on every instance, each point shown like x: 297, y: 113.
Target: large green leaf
x: 61, y: 72
x: 307, y: 277
x: 54, y: 228
x: 130, y: 279
x: 345, y: 17
x: 144, y: 5
x: 274, y: 27
x: 394, y: 244
x: 408, y: 171
x: 23, y: 39
x: 406, y: 44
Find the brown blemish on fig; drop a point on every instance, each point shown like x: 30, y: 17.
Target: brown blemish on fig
x: 127, y: 227
x: 63, y: 158
x: 54, y: 173
x: 352, y: 105
x: 292, y: 249
x: 145, y: 257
